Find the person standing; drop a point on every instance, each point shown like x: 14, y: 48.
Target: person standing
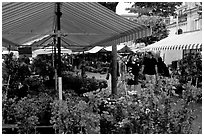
x: 83, y: 69
x: 134, y: 71
x: 149, y: 68
x: 122, y: 69
x: 163, y: 70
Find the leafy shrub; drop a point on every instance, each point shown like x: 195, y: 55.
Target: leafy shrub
x: 74, y: 116
x: 15, y: 72
x: 192, y: 93
x: 81, y: 85
x: 8, y: 112
x: 101, y: 70
x: 91, y: 69
x: 190, y: 69
x: 35, y: 84
x: 27, y: 112
x: 42, y: 65
x: 153, y: 110
x: 43, y: 101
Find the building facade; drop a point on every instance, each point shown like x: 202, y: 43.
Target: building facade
x: 189, y: 18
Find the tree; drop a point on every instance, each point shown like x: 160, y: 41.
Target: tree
x: 163, y: 9
x: 110, y: 5
x: 159, y: 30
x: 152, y: 14
x: 199, y: 6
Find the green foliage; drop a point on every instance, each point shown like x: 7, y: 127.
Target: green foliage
x: 14, y: 74
x: 192, y: 93
x: 27, y: 112
x: 43, y: 101
x: 164, y: 9
x: 81, y: 85
x: 10, y: 67
x: 190, y: 69
x: 189, y: 74
x: 36, y: 85
x: 110, y: 5
x: 74, y: 116
x: 152, y: 14
x: 159, y: 30
x: 8, y: 112
x: 42, y: 65
x: 153, y: 110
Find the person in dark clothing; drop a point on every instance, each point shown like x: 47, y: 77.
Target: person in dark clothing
x: 162, y: 68
x: 83, y: 69
x: 134, y: 69
x: 149, y: 68
x: 129, y: 62
x: 23, y: 70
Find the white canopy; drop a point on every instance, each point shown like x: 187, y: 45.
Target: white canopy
x: 49, y: 50
x: 190, y: 40
x: 94, y: 50
x: 6, y: 51
x: 83, y: 24
x: 14, y: 52
x: 119, y: 47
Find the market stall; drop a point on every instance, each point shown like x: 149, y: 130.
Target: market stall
x: 80, y: 25
x: 171, y: 48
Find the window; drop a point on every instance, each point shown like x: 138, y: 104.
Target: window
x: 196, y: 24
x: 167, y: 21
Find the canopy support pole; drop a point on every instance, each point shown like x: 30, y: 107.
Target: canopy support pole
x: 59, y: 14
x: 55, y: 62
x: 114, y: 70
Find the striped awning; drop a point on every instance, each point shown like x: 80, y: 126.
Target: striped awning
x: 94, y: 49
x: 83, y: 24
x: 49, y: 50
x: 119, y: 47
x: 9, y: 45
x: 189, y: 40
x: 47, y: 40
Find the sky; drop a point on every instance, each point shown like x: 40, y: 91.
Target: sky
x: 120, y: 9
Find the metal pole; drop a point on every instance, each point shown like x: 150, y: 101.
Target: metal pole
x: 55, y: 52
x: 114, y: 70
x: 55, y: 62
x: 59, y: 13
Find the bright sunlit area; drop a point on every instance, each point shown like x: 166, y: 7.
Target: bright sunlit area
x: 120, y: 9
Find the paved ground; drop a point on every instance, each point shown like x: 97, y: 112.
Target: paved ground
x: 198, y: 107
